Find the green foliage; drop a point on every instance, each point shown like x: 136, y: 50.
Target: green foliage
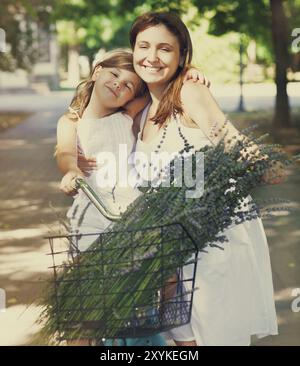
x: 105, y: 24
x: 216, y: 56
x: 251, y: 18
x: 18, y: 19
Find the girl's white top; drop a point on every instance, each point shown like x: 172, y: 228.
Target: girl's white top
x: 111, y: 141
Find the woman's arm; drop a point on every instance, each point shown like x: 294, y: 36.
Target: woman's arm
x: 201, y: 107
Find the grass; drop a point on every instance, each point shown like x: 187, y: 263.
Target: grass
x: 10, y: 119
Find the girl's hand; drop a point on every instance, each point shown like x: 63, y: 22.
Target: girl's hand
x: 196, y: 76
x: 67, y: 184
x: 86, y: 164
x: 275, y: 174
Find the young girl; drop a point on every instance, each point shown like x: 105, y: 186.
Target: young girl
x: 98, y: 121
x: 100, y: 118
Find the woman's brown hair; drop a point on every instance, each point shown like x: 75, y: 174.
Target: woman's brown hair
x: 170, y: 103
x: 120, y: 58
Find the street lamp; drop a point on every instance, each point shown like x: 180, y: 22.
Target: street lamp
x: 241, y: 107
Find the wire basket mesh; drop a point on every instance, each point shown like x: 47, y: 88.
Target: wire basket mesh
x: 127, y: 284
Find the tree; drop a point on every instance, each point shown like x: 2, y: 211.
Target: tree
x: 264, y: 22
x: 86, y: 26
x: 280, y: 42
x: 106, y: 24
x: 17, y: 19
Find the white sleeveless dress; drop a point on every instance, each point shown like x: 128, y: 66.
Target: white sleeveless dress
x: 234, y: 297
x: 113, y: 136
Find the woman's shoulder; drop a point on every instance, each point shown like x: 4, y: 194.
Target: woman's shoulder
x: 199, y: 104
x: 191, y: 91
x: 197, y: 101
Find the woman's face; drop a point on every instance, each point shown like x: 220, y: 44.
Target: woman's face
x: 115, y: 87
x: 156, y: 55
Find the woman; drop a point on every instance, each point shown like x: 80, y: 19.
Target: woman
x: 234, y: 299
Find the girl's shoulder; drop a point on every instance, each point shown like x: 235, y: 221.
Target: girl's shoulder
x: 70, y: 117
x: 73, y: 114
x: 122, y: 116
x: 66, y: 120
x: 120, y: 119
x: 119, y: 116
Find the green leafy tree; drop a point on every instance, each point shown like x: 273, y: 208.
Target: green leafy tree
x: 18, y: 19
x: 281, y: 46
x: 106, y: 24
x: 264, y: 21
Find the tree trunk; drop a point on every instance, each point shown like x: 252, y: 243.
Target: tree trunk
x: 73, y: 66
x: 280, y: 44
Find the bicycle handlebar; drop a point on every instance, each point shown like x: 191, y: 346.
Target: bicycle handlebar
x: 95, y: 199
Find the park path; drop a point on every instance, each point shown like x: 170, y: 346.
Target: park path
x: 29, y: 182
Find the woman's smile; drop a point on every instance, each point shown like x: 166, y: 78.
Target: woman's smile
x: 155, y: 61
x: 152, y: 69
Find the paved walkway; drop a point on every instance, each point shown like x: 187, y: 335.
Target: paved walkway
x: 29, y: 181
x: 283, y: 234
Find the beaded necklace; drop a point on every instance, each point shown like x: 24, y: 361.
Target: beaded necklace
x: 187, y: 146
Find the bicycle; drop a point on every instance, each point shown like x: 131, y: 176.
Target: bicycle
x: 169, y: 302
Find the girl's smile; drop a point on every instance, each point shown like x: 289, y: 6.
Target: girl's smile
x: 115, y: 87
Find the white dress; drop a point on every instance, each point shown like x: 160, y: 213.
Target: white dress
x: 113, y: 136
x: 234, y: 297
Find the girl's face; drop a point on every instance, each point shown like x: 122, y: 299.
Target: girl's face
x: 114, y: 86
x: 156, y: 55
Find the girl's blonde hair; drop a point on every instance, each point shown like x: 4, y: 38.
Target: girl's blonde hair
x: 120, y: 58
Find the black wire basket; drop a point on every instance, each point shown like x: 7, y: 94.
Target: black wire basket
x: 127, y: 284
